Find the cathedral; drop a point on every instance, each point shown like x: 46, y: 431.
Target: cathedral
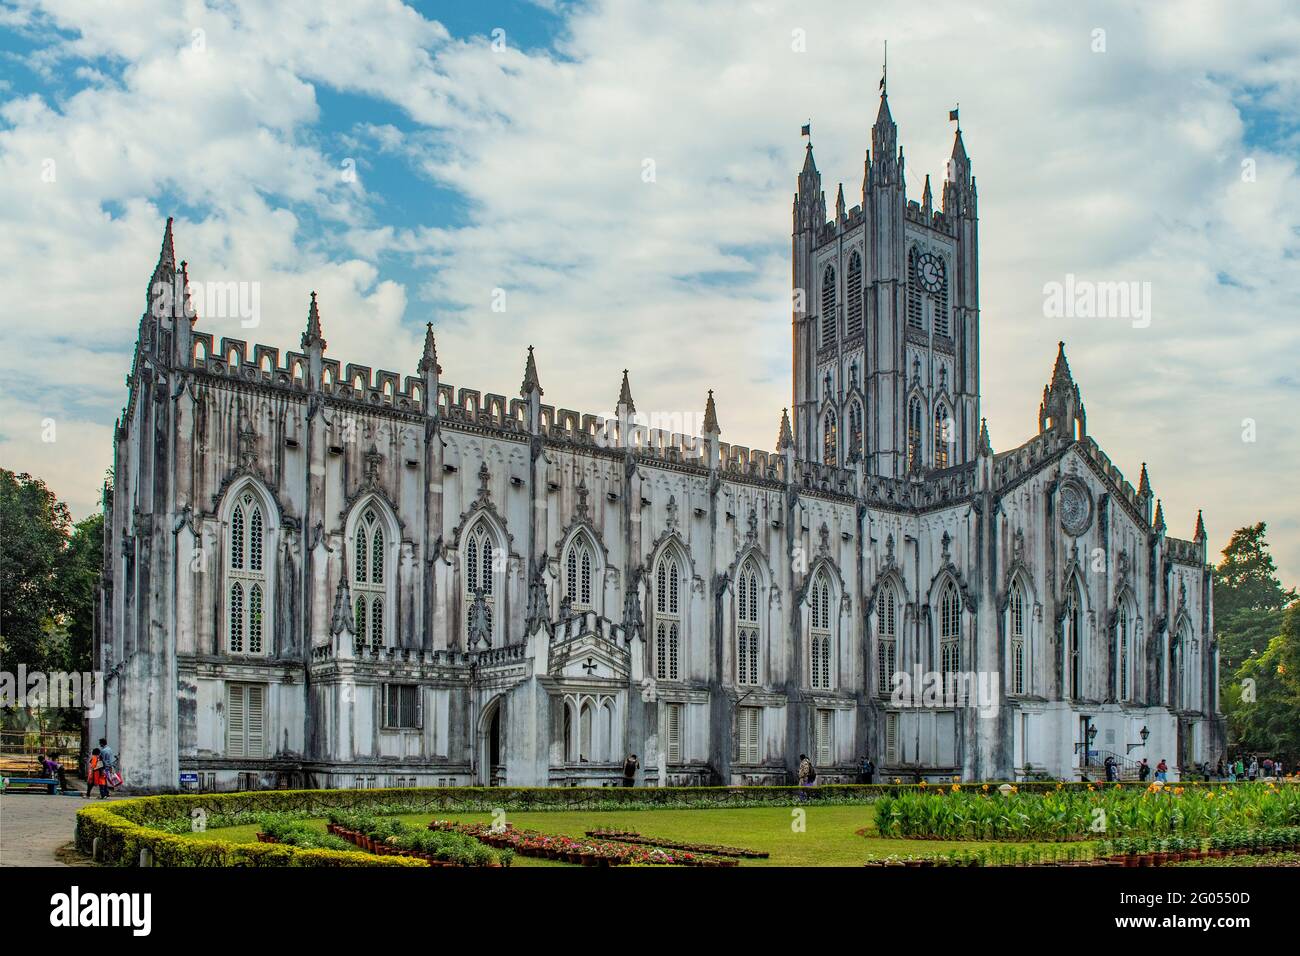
x: 317, y: 574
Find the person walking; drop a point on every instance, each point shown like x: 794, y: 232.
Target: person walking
x: 1162, y: 771
x: 1144, y: 770
x: 1268, y: 766
x: 109, y: 760
x: 807, y: 774
x: 95, y: 775
x: 1109, y: 764
x: 1218, y: 770
x: 1241, y: 768
x: 1253, y: 770
x: 630, y: 766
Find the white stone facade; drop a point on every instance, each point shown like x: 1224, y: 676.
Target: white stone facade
x: 320, y: 575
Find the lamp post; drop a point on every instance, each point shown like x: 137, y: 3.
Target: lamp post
x: 1144, y: 734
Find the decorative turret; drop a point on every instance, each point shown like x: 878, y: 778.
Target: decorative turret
x: 531, y: 383
x: 886, y: 158
x: 313, y: 343
x: 711, y: 417
x: 164, y: 273
x: 985, y: 444
x: 959, y: 186
x: 809, y: 201
x: 712, y: 432
x: 624, y: 409
x: 1144, y: 493
x: 784, y: 438
x: 625, y: 404
x: 531, y: 389
x: 840, y: 215
x: 342, y: 624
x: 430, y: 369
x: 1199, y: 533
x: 1062, y: 407
x: 785, y: 444
x: 1158, y: 525
x: 183, y: 326
x: 927, y: 199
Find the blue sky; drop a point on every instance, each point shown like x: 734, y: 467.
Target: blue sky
x: 517, y: 165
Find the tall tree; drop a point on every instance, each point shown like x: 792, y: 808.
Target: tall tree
x: 34, y: 531
x: 1248, y: 597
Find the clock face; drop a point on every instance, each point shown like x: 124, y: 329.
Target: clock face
x: 929, y: 269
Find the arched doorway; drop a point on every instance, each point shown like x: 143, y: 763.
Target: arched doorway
x: 492, y: 763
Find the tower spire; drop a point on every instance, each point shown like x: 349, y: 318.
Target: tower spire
x: 711, y: 417
x: 531, y: 382
x: 625, y: 403
x: 784, y: 437
x: 1159, y: 523
x: 1144, y: 483
x: 985, y: 444
x: 429, y: 360
x: 312, y: 336
x: 1200, y: 527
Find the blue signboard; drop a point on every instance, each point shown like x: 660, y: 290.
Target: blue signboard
x: 189, y: 778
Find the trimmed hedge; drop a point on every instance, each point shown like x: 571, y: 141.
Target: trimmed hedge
x: 176, y: 807
x: 121, y: 839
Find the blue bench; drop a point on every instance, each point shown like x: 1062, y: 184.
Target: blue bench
x: 52, y: 785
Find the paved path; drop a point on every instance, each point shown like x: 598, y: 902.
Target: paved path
x: 34, y: 825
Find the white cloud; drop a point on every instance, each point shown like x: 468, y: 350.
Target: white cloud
x: 1117, y: 165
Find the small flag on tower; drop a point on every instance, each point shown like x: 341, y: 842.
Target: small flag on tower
x: 952, y: 115
x: 807, y: 130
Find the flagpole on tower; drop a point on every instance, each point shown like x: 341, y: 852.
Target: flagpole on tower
x: 884, y: 73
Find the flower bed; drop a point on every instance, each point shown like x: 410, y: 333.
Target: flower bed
x: 957, y: 813
x: 389, y: 837
x: 630, y: 836
x: 570, y: 850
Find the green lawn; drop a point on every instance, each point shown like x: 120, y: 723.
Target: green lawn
x: 829, y: 836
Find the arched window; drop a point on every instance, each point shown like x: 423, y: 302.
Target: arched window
x: 479, y: 574
x: 915, y: 312
x: 247, y: 602
x: 668, y: 616
x: 942, y: 437
x: 886, y: 640
x: 579, y: 562
x: 914, y: 434
x: 949, y: 629
x: 1123, y: 635
x: 819, y: 632
x: 854, y: 276
x: 586, y: 726
x: 942, y: 319
x: 1073, y: 642
x: 368, y: 581
x: 748, y: 628
x: 828, y: 306
x: 830, y: 438
x: 856, y: 449
x: 1016, y: 635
